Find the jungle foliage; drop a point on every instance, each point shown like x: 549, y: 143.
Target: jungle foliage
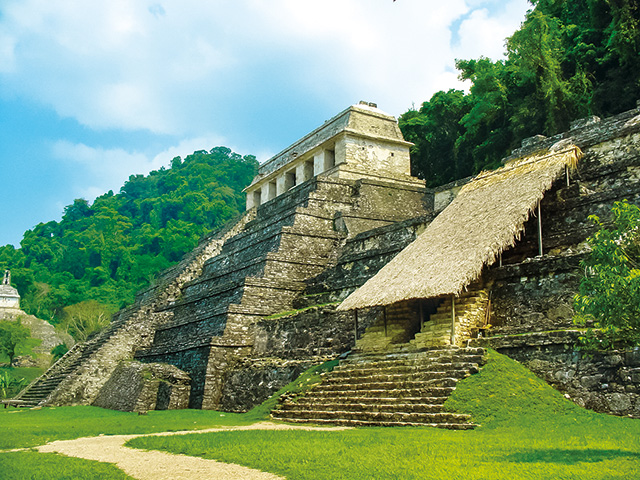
x: 609, y: 298
x: 15, y: 339
x: 568, y: 60
x: 91, y: 263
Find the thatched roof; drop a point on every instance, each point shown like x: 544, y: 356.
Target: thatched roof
x: 486, y: 218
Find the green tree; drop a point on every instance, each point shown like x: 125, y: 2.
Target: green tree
x: 485, y: 136
x: 84, y: 319
x: 569, y: 59
x: 609, y: 298
x: 434, y: 130
x: 108, y: 250
x: 13, y: 338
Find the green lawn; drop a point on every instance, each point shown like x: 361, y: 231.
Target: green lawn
x: 28, y: 428
x: 529, y: 431
x: 49, y: 466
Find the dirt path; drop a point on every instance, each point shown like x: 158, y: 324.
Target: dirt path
x: 155, y: 465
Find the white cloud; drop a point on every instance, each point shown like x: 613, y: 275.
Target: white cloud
x: 182, y: 67
x: 483, y: 32
x: 103, y: 169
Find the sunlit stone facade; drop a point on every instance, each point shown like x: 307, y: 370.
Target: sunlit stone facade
x: 360, y: 142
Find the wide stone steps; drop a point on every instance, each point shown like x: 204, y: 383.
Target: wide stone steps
x: 376, y: 400
x: 424, y: 392
x: 364, y: 407
x: 401, y: 387
x: 415, y: 363
x: 399, y: 417
x: 382, y: 423
x: 415, y: 357
x: 410, y: 370
x: 401, y: 378
x: 38, y: 391
x: 391, y: 385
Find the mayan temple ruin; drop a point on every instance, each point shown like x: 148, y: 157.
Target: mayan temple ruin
x: 341, y: 253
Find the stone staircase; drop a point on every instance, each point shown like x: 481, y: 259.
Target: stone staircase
x: 66, y: 378
x: 470, y: 314
x: 37, y: 392
x: 393, y: 328
x: 396, y: 388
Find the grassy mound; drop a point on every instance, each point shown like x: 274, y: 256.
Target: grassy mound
x: 505, y: 392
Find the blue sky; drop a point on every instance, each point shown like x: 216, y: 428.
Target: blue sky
x: 93, y: 91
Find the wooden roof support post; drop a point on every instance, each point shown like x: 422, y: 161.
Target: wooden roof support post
x: 355, y: 325
x: 453, y: 319
x: 540, y: 252
x: 384, y: 313
x: 421, y: 314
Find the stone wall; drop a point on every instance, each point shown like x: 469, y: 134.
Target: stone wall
x: 532, y: 296
x: 225, y: 315
x: 360, y: 259
x: 138, y: 387
x: 133, y: 327
x: 252, y: 381
x: 285, y: 346
x: 532, y: 293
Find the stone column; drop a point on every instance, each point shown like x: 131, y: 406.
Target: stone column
x: 280, y: 184
x: 318, y: 163
x: 300, y: 176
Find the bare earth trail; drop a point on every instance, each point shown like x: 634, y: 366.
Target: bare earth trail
x: 155, y: 465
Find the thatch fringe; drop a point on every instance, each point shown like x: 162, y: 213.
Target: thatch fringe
x: 486, y: 218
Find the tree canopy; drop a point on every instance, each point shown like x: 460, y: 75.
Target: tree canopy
x: 108, y: 250
x: 568, y: 60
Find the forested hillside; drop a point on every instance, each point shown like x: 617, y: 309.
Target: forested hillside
x: 100, y: 254
x: 569, y: 59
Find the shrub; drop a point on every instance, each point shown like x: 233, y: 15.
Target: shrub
x: 609, y: 298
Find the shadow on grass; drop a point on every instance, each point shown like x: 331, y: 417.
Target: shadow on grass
x: 568, y: 456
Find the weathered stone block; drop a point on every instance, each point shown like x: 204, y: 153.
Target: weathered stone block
x: 592, y: 382
x: 138, y: 387
x: 619, y: 403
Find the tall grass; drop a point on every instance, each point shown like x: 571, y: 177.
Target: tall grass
x: 13, y: 380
